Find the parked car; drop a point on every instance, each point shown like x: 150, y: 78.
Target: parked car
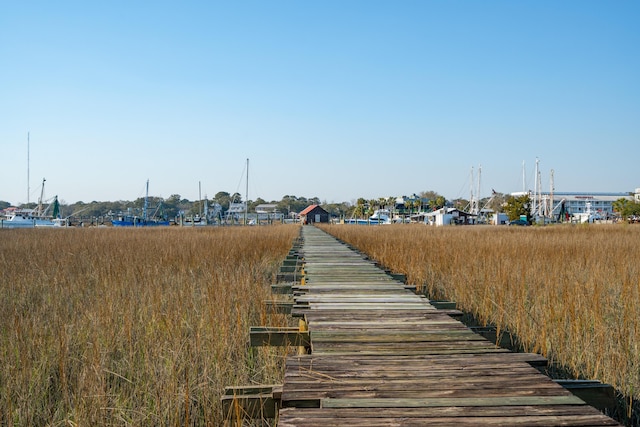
x: 520, y: 222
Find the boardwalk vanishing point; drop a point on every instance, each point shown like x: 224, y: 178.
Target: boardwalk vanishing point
x: 377, y: 354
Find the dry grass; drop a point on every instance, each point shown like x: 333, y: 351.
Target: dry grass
x: 133, y: 327
x: 571, y: 293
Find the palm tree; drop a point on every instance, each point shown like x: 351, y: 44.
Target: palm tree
x: 358, y: 212
x: 621, y: 206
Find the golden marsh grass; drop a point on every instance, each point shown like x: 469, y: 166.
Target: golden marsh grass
x: 571, y: 293
x: 133, y: 327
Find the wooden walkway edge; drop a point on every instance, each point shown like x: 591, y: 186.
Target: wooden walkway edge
x: 380, y: 355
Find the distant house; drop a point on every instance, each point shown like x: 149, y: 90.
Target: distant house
x: 267, y: 208
x: 312, y: 214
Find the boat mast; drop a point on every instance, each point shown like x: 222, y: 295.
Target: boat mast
x: 200, y: 197
x: 41, y: 198
x: 146, y: 202
x: 534, y: 204
x: 206, y: 209
x: 477, y: 212
x: 246, y: 196
x: 28, y: 163
x: 471, y: 203
x: 552, y: 188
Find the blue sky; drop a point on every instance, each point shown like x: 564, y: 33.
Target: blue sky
x: 332, y: 99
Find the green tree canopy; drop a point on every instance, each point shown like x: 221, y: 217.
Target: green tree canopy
x: 626, y: 208
x: 515, y: 206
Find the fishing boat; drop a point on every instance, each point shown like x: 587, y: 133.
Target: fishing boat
x: 28, y: 218
x: 31, y: 218
x: 144, y: 220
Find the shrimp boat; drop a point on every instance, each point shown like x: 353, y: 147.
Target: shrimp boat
x: 39, y: 217
x: 130, y: 220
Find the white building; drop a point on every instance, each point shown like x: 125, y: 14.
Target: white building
x: 449, y: 216
x: 598, y: 205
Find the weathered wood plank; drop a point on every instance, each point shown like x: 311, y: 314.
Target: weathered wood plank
x: 389, y: 417
x: 394, y: 336
x: 461, y: 361
x: 457, y: 401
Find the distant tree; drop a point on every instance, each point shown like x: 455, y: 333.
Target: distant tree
x: 172, y: 205
x: 461, y: 204
x: 223, y: 199
x: 371, y: 206
x: 515, y: 207
x: 337, y: 209
x: 437, y: 203
x: 626, y: 208
x: 429, y: 194
x: 295, y: 204
x: 360, y: 208
x: 4, y: 205
x: 414, y: 206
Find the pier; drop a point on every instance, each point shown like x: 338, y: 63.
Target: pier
x: 374, y: 353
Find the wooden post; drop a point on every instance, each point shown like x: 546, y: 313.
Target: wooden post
x: 302, y: 327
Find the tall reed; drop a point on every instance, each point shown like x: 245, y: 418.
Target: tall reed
x: 571, y: 293
x: 133, y: 327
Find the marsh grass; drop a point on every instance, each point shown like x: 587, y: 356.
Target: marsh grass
x: 571, y: 293
x: 133, y: 327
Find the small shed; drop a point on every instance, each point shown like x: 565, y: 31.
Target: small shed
x: 314, y: 213
x: 450, y: 216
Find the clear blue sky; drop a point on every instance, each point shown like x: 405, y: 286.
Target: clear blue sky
x: 331, y: 99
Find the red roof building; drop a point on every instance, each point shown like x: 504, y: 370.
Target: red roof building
x: 312, y: 214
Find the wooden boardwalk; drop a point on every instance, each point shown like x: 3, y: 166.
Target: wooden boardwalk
x: 383, y: 356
